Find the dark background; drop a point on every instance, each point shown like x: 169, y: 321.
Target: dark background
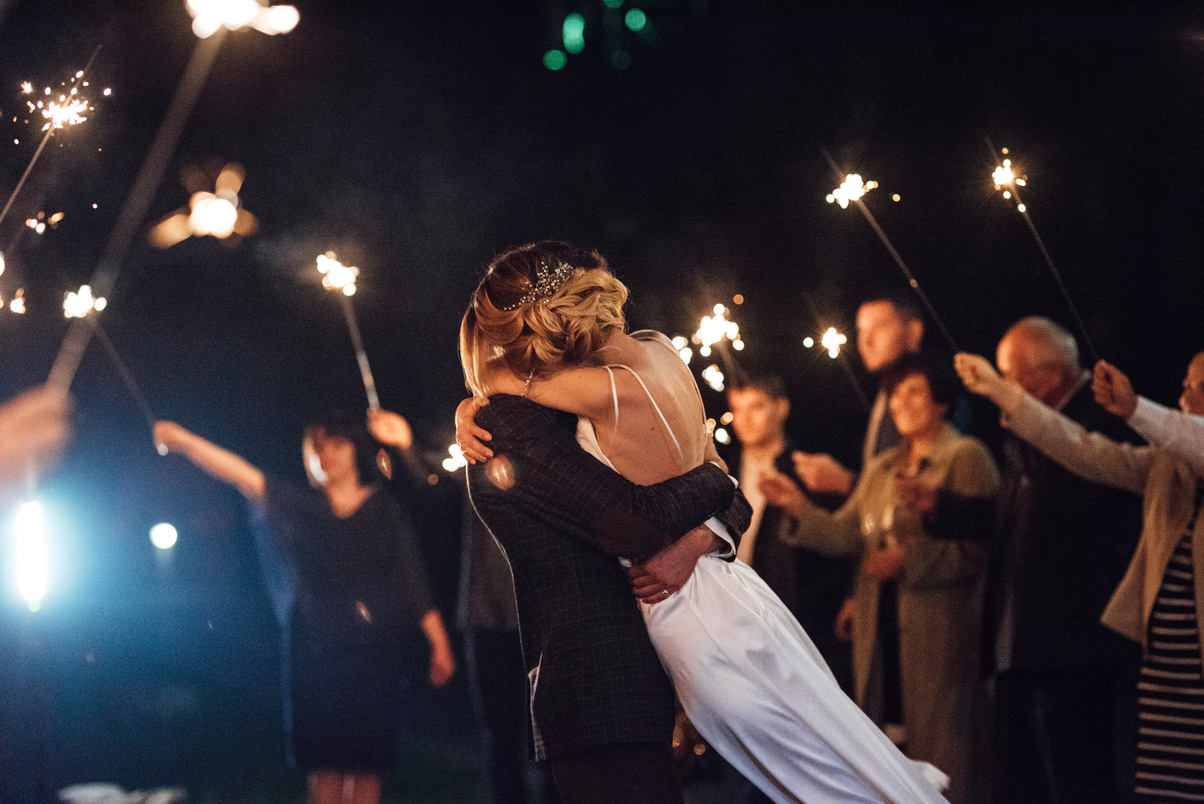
x: 419, y: 139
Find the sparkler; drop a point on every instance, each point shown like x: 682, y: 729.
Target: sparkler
x: 218, y: 213
x: 832, y: 341
x: 66, y: 111
x: 138, y: 201
x: 715, y: 332
x: 834, y: 338
x: 81, y: 304
x: 851, y: 190
x: 341, y: 278
x: 1007, y: 181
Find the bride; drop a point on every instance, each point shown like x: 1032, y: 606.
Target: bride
x: 547, y: 323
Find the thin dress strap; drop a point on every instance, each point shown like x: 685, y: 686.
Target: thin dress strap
x: 681, y: 456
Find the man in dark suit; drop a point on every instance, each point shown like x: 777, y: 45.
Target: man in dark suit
x: 1062, y: 548
x: 601, y: 705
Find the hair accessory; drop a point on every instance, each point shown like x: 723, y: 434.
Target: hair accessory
x: 548, y: 280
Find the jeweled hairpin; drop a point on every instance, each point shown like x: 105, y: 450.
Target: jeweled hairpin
x: 548, y: 280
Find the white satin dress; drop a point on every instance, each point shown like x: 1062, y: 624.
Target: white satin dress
x: 757, y: 689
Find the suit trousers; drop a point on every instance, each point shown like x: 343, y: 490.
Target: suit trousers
x: 1056, y: 737
x: 623, y: 773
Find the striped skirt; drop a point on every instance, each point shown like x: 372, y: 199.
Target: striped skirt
x: 1170, y: 739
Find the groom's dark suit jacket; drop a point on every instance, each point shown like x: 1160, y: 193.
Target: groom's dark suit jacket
x: 562, y: 517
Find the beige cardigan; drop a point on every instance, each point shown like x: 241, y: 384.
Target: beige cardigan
x: 1166, y: 484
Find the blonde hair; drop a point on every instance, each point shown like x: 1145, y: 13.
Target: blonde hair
x: 507, y: 321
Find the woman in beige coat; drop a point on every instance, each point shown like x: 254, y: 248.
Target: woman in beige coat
x: 916, y: 626
x: 1159, y: 601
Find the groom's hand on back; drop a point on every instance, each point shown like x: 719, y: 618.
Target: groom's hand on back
x: 654, y: 580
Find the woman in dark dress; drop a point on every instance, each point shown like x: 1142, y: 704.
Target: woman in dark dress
x: 358, y: 584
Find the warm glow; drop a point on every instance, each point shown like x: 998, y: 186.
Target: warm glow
x: 808, y: 341
x: 210, y: 15
x: 456, y: 461
x: 17, y: 305
x: 713, y: 377
x: 78, y: 305
x: 851, y: 190
x: 714, y: 328
x: 335, y: 275
x: 212, y: 215
x: 832, y: 341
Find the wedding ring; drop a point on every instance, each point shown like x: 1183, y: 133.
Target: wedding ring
x: 665, y: 593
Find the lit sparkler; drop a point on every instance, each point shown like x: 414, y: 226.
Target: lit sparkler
x: 66, y: 111
x: 341, y: 278
x: 41, y: 222
x: 133, y: 213
x: 218, y: 213
x: 31, y: 561
x: 851, y: 190
x: 713, y: 377
x: 1007, y: 181
x: 209, y: 16
x: 81, y: 304
x: 832, y: 341
x: 715, y: 332
x: 17, y: 305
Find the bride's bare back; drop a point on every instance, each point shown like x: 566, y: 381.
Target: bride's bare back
x: 638, y: 445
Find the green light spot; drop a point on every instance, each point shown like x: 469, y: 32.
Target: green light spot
x: 620, y: 60
x: 573, y: 32
x: 636, y: 19
x: 555, y: 60
x: 613, y: 3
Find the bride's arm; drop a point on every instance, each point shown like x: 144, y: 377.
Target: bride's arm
x: 584, y: 391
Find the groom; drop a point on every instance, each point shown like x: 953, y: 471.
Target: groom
x: 601, y: 705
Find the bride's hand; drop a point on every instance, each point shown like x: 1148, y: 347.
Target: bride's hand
x: 468, y: 435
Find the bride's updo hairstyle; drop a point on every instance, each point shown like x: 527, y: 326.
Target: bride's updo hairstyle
x: 540, y: 306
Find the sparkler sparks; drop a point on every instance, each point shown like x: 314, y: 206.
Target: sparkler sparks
x: 832, y: 341
x: 209, y: 16
x: 335, y: 275
x: 683, y: 349
x: 17, y: 305
x: 713, y: 377
x: 1005, y: 179
x: 851, y: 189
x: 79, y: 304
x: 456, y: 461
x: 713, y: 329
x: 216, y: 213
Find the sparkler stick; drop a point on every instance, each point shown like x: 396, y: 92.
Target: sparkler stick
x: 83, y: 305
x: 138, y: 202
x: 65, y: 114
x: 854, y: 195
x: 1004, y: 176
x: 336, y: 276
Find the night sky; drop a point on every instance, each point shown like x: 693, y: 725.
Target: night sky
x: 419, y: 139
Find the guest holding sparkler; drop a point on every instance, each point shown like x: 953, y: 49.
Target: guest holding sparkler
x: 1181, y: 432
x: 1063, y: 686
x: 1155, y: 604
x: 359, y: 584
x: 915, y: 634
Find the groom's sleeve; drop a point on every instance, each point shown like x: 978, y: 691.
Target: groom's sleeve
x: 539, y: 467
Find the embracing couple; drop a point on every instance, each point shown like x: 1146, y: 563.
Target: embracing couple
x: 623, y: 558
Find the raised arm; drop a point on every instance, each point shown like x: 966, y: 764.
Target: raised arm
x: 1179, y: 433
x: 539, y: 468
x: 1089, y: 455
x: 219, y: 462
